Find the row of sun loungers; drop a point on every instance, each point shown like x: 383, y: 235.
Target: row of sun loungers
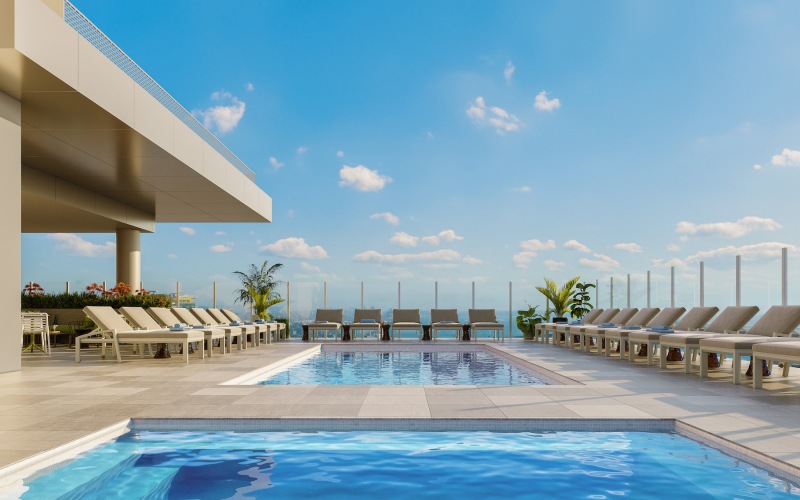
x: 771, y: 339
x: 369, y: 320
x: 176, y: 326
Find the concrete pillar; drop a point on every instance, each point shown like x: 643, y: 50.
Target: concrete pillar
x: 129, y: 258
x: 10, y: 228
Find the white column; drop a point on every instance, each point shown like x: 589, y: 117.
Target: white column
x: 784, y: 276
x: 648, y: 288
x: 672, y: 286
x: 611, y: 291
x: 738, y: 280
x: 11, y: 242
x: 398, y: 295
x: 702, y: 284
x: 177, y: 294
x: 129, y: 257
x: 510, y: 324
x: 473, y: 295
x: 362, y: 295
x: 436, y: 295
x: 288, y: 310
x: 324, y: 294
x: 215, y: 295
x: 629, y: 290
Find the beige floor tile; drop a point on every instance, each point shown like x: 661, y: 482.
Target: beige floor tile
x: 537, y: 410
x: 394, y: 411
x: 400, y: 400
x: 607, y: 411
x: 464, y: 411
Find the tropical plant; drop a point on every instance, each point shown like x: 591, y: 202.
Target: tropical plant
x: 560, y: 298
x: 527, y: 320
x: 580, y: 304
x: 33, y: 289
x: 258, y: 288
x: 79, y: 300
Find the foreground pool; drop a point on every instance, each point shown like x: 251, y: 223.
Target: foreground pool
x: 405, y: 465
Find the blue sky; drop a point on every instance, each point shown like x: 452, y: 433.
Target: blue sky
x: 460, y: 141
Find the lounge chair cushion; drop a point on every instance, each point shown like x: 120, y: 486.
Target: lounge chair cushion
x: 591, y: 315
x: 789, y: 347
x: 604, y: 317
x: 778, y: 319
x: 440, y: 315
x: 482, y: 316
x: 643, y: 316
x: 686, y: 338
x: 666, y: 317
x: 696, y: 318
x: 405, y: 316
x: 739, y: 341
x: 732, y: 319
x: 624, y: 316
x: 330, y: 315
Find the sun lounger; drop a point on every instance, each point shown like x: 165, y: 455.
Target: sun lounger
x: 406, y: 320
x: 485, y: 320
x: 230, y: 332
x: 366, y: 320
x: 563, y: 329
x: 664, y: 318
x: 445, y: 320
x: 245, y: 330
x: 112, y: 329
x: 272, y: 326
x: 582, y: 335
x: 788, y: 352
x: 166, y: 318
x: 327, y: 320
x: 731, y: 320
x: 650, y: 337
x: 544, y: 330
x: 778, y: 321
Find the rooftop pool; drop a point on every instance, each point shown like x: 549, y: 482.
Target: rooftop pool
x: 407, y: 464
x: 364, y: 364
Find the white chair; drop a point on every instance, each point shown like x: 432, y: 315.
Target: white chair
x: 327, y: 320
x: 406, y: 319
x: 485, y: 320
x: 366, y: 320
x: 445, y: 319
x: 36, y: 324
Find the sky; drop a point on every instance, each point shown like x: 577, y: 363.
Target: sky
x: 445, y: 143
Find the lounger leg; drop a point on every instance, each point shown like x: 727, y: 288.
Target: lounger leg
x: 608, y: 349
x: 622, y: 348
x: 703, y: 364
x: 687, y: 360
x: 737, y: 368
x: 650, y: 348
x: 662, y: 355
x: 632, y: 351
x: 757, y: 374
x: 786, y: 366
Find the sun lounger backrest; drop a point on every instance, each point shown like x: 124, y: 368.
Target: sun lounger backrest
x: 778, y: 319
x: 330, y: 315
x: 603, y: 317
x: 185, y: 316
x: 623, y: 316
x: 373, y: 314
x: 107, y: 318
x: 591, y: 315
x: 732, y: 319
x: 438, y: 315
x: 696, y: 318
x: 203, y: 316
x: 405, y: 316
x: 140, y: 318
x: 643, y: 316
x: 218, y: 316
x: 482, y: 316
x: 667, y: 316
x: 232, y: 316
x: 164, y: 316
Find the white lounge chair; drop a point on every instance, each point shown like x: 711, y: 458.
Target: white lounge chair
x: 113, y: 330
x: 788, y: 352
x: 366, y: 320
x: 543, y: 330
x: 483, y: 320
x: 406, y: 320
x: 778, y: 321
x: 445, y: 320
x: 650, y: 338
x: 244, y: 330
x: 582, y: 335
x: 166, y: 318
x: 250, y: 327
x: 275, y: 327
x: 564, y: 329
x: 644, y: 318
x: 327, y: 320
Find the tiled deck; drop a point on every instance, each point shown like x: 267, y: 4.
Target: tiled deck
x: 53, y: 400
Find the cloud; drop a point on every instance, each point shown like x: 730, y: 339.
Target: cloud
x: 498, y: 118
x: 172, y: 256
x: 220, y: 248
x: 340, y: 154
x: 295, y: 248
x: 757, y: 167
x: 73, y: 244
x: 537, y: 245
x: 443, y: 255
x: 554, y: 265
x: 308, y: 267
x: 575, y: 245
x: 736, y: 229
x: 542, y: 103
x: 629, y: 247
x: 219, y: 233
x: 361, y: 178
x: 223, y: 117
x: 523, y: 189
x: 669, y: 263
x: 187, y: 230
x: 404, y: 239
x: 448, y: 235
x: 522, y: 259
x: 301, y: 150
x: 673, y: 248
x: 249, y: 87
x: 763, y: 250
x: 509, y: 71
x: 471, y: 260
x: 600, y: 262
x: 787, y: 158
x: 275, y: 163
x: 387, y: 216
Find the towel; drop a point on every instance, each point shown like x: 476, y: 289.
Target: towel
x: 177, y: 328
x: 234, y: 323
x: 197, y: 327
x: 247, y: 323
x: 607, y: 325
x: 260, y: 322
x: 368, y: 321
x: 661, y: 330
x: 631, y: 327
x: 577, y: 322
x: 320, y: 321
x: 659, y: 327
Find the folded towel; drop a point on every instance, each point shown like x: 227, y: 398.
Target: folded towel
x: 661, y: 330
x: 197, y: 327
x: 659, y: 327
x: 260, y: 322
x: 447, y: 321
x: 607, y: 325
x: 368, y: 321
x: 577, y: 322
x: 322, y: 321
x: 631, y: 327
x: 247, y: 323
x: 234, y: 323
x: 177, y: 325
x: 177, y: 328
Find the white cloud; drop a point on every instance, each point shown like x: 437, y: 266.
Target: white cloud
x: 295, y: 248
x: 537, y: 245
x: 600, y: 262
x: 554, y: 265
x: 219, y: 233
x: 629, y: 247
x: 444, y: 255
x: 340, y: 154
x: 736, y: 229
x: 249, y: 87
x: 387, y: 216
x: 220, y: 248
x: 522, y: 259
x: 670, y: 262
x: 223, y: 117
x: 275, y: 163
x: 542, y: 103
x: 448, y: 235
x: 471, y: 260
x: 187, y: 230
x: 498, y: 118
x: 404, y: 239
x: 757, y: 167
x: 301, y: 150
x: 763, y: 250
x: 523, y: 189
x: 309, y: 267
x: 361, y: 178
x: 73, y: 244
x: 575, y: 245
x: 509, y: 71
x: 673, y: 248
x: 172, y: 256
x: 787, y: 158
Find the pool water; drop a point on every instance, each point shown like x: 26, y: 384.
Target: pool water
x: 404, y: 368
x: 461, y: 465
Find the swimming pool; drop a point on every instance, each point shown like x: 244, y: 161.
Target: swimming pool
x: 405, y: 464
x: 337, y: 365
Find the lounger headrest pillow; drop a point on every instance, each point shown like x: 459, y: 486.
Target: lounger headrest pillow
x: 368, y: 321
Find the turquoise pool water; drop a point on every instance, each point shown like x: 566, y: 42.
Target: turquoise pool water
x: 404, y: 368
x: 406, y: 465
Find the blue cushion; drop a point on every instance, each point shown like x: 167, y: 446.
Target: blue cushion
x: 577, y: 322
x: 197, y: 327
x: 368, y: 321
x: 177, y: 328
x: 234, y: 323
x: 260, y: 322
x: 659, y: 327
x: 607, y: 325
x: 631, y: 327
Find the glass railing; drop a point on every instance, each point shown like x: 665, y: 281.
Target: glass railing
x: 101, y: 42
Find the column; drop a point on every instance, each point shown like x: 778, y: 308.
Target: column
x: 10, y: 223
x: 129, y: 258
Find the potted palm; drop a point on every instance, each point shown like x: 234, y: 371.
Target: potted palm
x: 527, y: 320
x: 560, y: 297
x: 580, y: 304
x: 258, y: 288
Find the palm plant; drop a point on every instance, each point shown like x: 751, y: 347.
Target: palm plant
x: 559, y: 298
x: 258, y: 288
x: 580, y: 303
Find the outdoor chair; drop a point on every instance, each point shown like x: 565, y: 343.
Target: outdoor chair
x: 544, y: 330
x: 327, y: 320
x: 482, y: 320
x: 566, y: 330
x: 241, y: 331
x: 406, y: 320
x: 447, y: 320
x: 367, y: 320
x: 646, y: 316
x: 769, y: 352
x: 650, y: 338
x: 167, y: 319
x: 275, y: 327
